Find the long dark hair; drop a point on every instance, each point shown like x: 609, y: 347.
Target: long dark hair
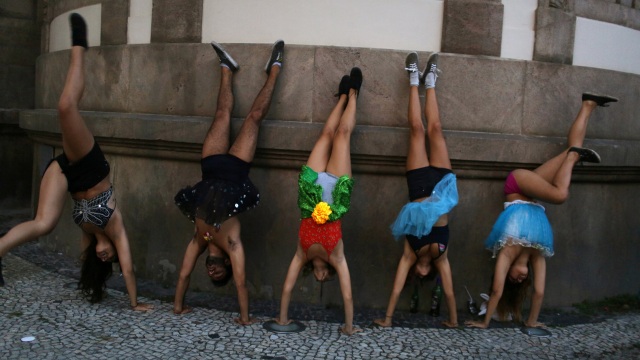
x: 94, y: 274
x: 513, y: 297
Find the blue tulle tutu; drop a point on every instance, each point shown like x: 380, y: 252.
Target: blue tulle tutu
x: 521, y: 223
x: 417, y: 218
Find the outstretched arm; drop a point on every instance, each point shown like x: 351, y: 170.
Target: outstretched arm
x: 117, y: 233
x: 194, y: 249
x: 539, y: 265
x: 339, y: 262
x: 499, y: 276
x: 239, y: 278
x: 442, y: 264
x: 296, y: 265
x: 406, y: 261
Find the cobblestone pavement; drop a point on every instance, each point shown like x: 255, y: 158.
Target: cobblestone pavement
x: 45, y: 305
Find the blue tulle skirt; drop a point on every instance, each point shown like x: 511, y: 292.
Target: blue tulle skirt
x: 521, y: 223
x: 417, y: 218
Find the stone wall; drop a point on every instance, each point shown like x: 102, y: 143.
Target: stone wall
x: 150, y: 118
x: 19, y: 44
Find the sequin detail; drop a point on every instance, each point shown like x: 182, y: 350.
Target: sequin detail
x: 94, y: 211
x: 310, y: 194
x: 328, y: 234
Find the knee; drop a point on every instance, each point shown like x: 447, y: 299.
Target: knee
x: 435, y: 128
x: 256, y: 115
x: 561, y: 197
x: 44, y: 226
x: 416, y: 129
x: 328, y: 133
x: 344, y: 130
x: 67, y: 105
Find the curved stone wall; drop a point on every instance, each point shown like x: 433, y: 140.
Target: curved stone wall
x: 149, y: 105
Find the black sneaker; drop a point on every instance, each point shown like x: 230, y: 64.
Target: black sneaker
x: 277, y: 55
x: 601, y: 100
x: 411, y: 63
x: 586, y: 155
x: 224, y: 57
x: 431, y: 68
x: 355, y: 79
x: 78, y: 30
x: 345, y: 85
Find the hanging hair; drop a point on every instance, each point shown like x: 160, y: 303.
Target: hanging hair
x: 308, y: 270
x: 94, y: 274
x: 513, y: 297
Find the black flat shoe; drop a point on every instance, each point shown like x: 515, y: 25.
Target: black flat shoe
x: 356, y: 79
x: 586, y: 155
x: 345, y: 85
x: 601, y: 100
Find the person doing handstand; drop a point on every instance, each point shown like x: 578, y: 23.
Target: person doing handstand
x: 521, y: 237
x: 424, y: 222
x: 83, y: 171
x: 324, y: 196
x: 225, y: 190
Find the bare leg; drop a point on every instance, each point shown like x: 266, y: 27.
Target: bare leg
x: 77, y: 139
x: 217, y: 139
x: 340, y: 160
x: 53, y: 189
x: 417, y: 156
x: 550, y: 181
x: 319, y: 157
x: 244, y: 146
x: 439, y: 155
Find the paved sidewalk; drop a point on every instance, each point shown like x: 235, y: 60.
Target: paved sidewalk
x: 44, y: 304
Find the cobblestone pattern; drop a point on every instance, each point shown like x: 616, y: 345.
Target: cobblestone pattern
x: 44, y: 304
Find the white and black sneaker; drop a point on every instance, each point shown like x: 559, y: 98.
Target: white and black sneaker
x: 277, y: 55
x: 411, y: 63
x: 225, y: 58
x: 430, y: 73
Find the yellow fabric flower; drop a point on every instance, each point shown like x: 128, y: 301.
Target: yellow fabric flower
x: 321, y: 213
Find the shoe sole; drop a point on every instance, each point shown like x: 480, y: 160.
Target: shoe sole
x: 601, y: 100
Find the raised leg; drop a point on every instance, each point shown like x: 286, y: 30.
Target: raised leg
x: 244, y: 146
x: 217, y: 139
x: 417, y: 155
x: 340, y: 160
x: 550, y: 181
x: 438, y: 153
x: 319, y: 157
x: 77, y: 139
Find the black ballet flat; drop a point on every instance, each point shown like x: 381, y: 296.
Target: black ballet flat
x: 356, y: 79
x: 345, y: 85
x: 586, y: 155
x: 601, y: 100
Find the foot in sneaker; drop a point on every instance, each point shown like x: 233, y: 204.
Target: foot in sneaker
x: 411, y: 65
x: 78, y: 30
x: 600, y: 100
x: 277, y: 56
x: 430, y: 73
x: 355, y: 79
x: 225, y: 59
x: 586, y: 155
x: 345, y: 85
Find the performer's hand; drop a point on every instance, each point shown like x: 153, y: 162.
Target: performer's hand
x: 386, y: 322
x: 239, y: 321
x: 283, y: 323
x: 182, y: 311
x: 449, y: 324
x: 476, y: 324
x: 350, y: 331
x: 142, y: 307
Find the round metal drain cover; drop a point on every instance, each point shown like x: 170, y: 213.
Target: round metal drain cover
x: 295, y: 326
x: 532, y: 331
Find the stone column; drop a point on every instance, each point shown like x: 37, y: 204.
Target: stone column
x: 472, y: 27
x: 176, y: 21
x: 555, y: 31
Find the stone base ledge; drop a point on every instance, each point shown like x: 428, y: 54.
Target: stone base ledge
x: 375, y: 149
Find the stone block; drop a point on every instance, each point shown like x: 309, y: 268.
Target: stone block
x: 17, y: 84
x: 176, y: 21
x: 114, y: 22
x: 555, y: 31
x: 552, y: 99
x: 18, y: 9
x: 601, y: 11
x: 472, y: 27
